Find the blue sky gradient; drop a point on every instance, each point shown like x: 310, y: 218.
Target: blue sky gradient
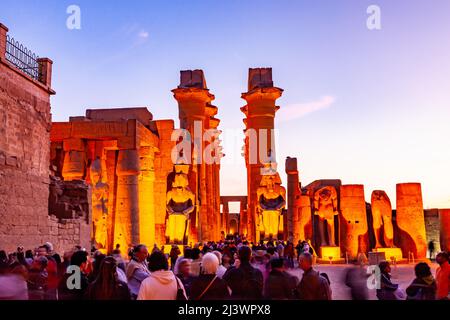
x: 387, y: 119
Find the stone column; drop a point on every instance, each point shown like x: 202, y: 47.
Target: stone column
x: 193, y: 97
x: 74, y: 167
x: 127, y: 208
x: 226, y: 214
x: 146, y: 196
x: 45, y: 71
x: 411, y: 220
x: 444, y: 222
x: 260, y: 114
x: 293, y: 193
x: 354, y: 231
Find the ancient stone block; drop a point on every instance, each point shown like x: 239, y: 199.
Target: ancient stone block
x: 353, y: 221
x: 410, y: 220
x: 444, y: 218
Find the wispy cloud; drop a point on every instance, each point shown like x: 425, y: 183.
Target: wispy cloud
x: 300, y: 110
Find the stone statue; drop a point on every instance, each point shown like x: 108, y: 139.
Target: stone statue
x: 326, y: 207
x: 100, y: 191
x: 382, y: 219
x: 271, y: 202
x: 180, y: 204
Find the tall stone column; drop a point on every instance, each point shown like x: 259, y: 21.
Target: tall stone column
x: 293, y: 193
x: 127, y: 208
x: 226, y: 214
x: 260, y: 115
x: 74, y: 167
x: 354, y: 231
x: 444, y: 222
x: 193, y: 97
x: 146, y: 196
x: 411, y: 220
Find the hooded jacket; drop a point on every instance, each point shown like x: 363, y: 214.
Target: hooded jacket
x: 422, y: 289
x: 160, y: 285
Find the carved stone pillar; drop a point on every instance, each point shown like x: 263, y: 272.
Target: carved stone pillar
x: 411, y: 220
x: 146, y: 196
x: 127, y: 208
x: 260, y: 115
x: 74, y: 167
x: 444, y: 221
x: 354, y: 231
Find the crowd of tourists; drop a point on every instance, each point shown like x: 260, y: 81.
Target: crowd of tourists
x: 231, y: 269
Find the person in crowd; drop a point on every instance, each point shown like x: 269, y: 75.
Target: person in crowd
x: 221, y: 269
x: 226, y: 261
x: 289, y: 254
x: 38, y: 278
x: 443, y: 276
x: 162, y: 284
x: 387, y: 290
x: 174, y: 254
x: 280, y: 285
x: 245, y: 281
x: 208, y: 285
x: 29, y: 257
x: 423, y: 286
x: 98, y: 258
x: 431, y: 248
x: 196, y: 261
x: 356, y: 279
x: 137, y: 269
x: 107, y: 285
x: 299, y: 248
x: 13, y: 284
x: 74, y: 284
x: 312, y: 286
x: 52, y: 269
x: 184, y: 274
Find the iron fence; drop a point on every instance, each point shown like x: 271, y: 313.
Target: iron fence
x: 22, y: 58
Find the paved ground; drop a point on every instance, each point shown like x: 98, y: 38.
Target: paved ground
x: 401, y: 274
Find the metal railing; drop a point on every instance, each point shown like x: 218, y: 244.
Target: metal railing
x: 22, y: 58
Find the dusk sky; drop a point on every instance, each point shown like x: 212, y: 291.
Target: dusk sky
x: 365, y: 106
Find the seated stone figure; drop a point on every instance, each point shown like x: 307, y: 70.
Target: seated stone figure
x: 180, y: 204
x: 271, y: 202
x: 382, y: 219
x: 325, y: 207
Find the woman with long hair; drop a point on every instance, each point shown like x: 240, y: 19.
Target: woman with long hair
x: 107, y: 286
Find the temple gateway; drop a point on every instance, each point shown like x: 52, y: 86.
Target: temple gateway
x: 111, y: 177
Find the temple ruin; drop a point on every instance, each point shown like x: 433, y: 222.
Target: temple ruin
x: 120, y: 177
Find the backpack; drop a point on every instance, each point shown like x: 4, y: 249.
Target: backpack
x: 325, y: 290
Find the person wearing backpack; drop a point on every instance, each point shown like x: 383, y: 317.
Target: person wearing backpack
x: 423, y: 286
x: 313, y: 286
x: 245, y: 281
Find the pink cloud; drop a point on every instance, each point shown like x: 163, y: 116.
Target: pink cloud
x: 300, y: 110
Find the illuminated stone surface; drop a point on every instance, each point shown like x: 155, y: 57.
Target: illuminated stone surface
x: 444, y: 218
x: 410, y: 220
x: 325, y: 208
x: 382, y: 219
x: 354, y: 231
x: 260, y: 115
x: 180, y: 205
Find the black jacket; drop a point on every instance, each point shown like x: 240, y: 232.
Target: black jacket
x: 280, y: 285
x: 313, y: 287
x: 217, y: 291
x: 422, y: 289
x: 245, y: 282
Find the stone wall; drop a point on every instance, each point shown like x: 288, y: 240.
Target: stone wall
x: 24, y: 158
x: 432, y: 227
x: 25, y: 122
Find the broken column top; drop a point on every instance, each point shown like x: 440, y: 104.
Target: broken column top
x: 192, y: 79
x: 259, y: 78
